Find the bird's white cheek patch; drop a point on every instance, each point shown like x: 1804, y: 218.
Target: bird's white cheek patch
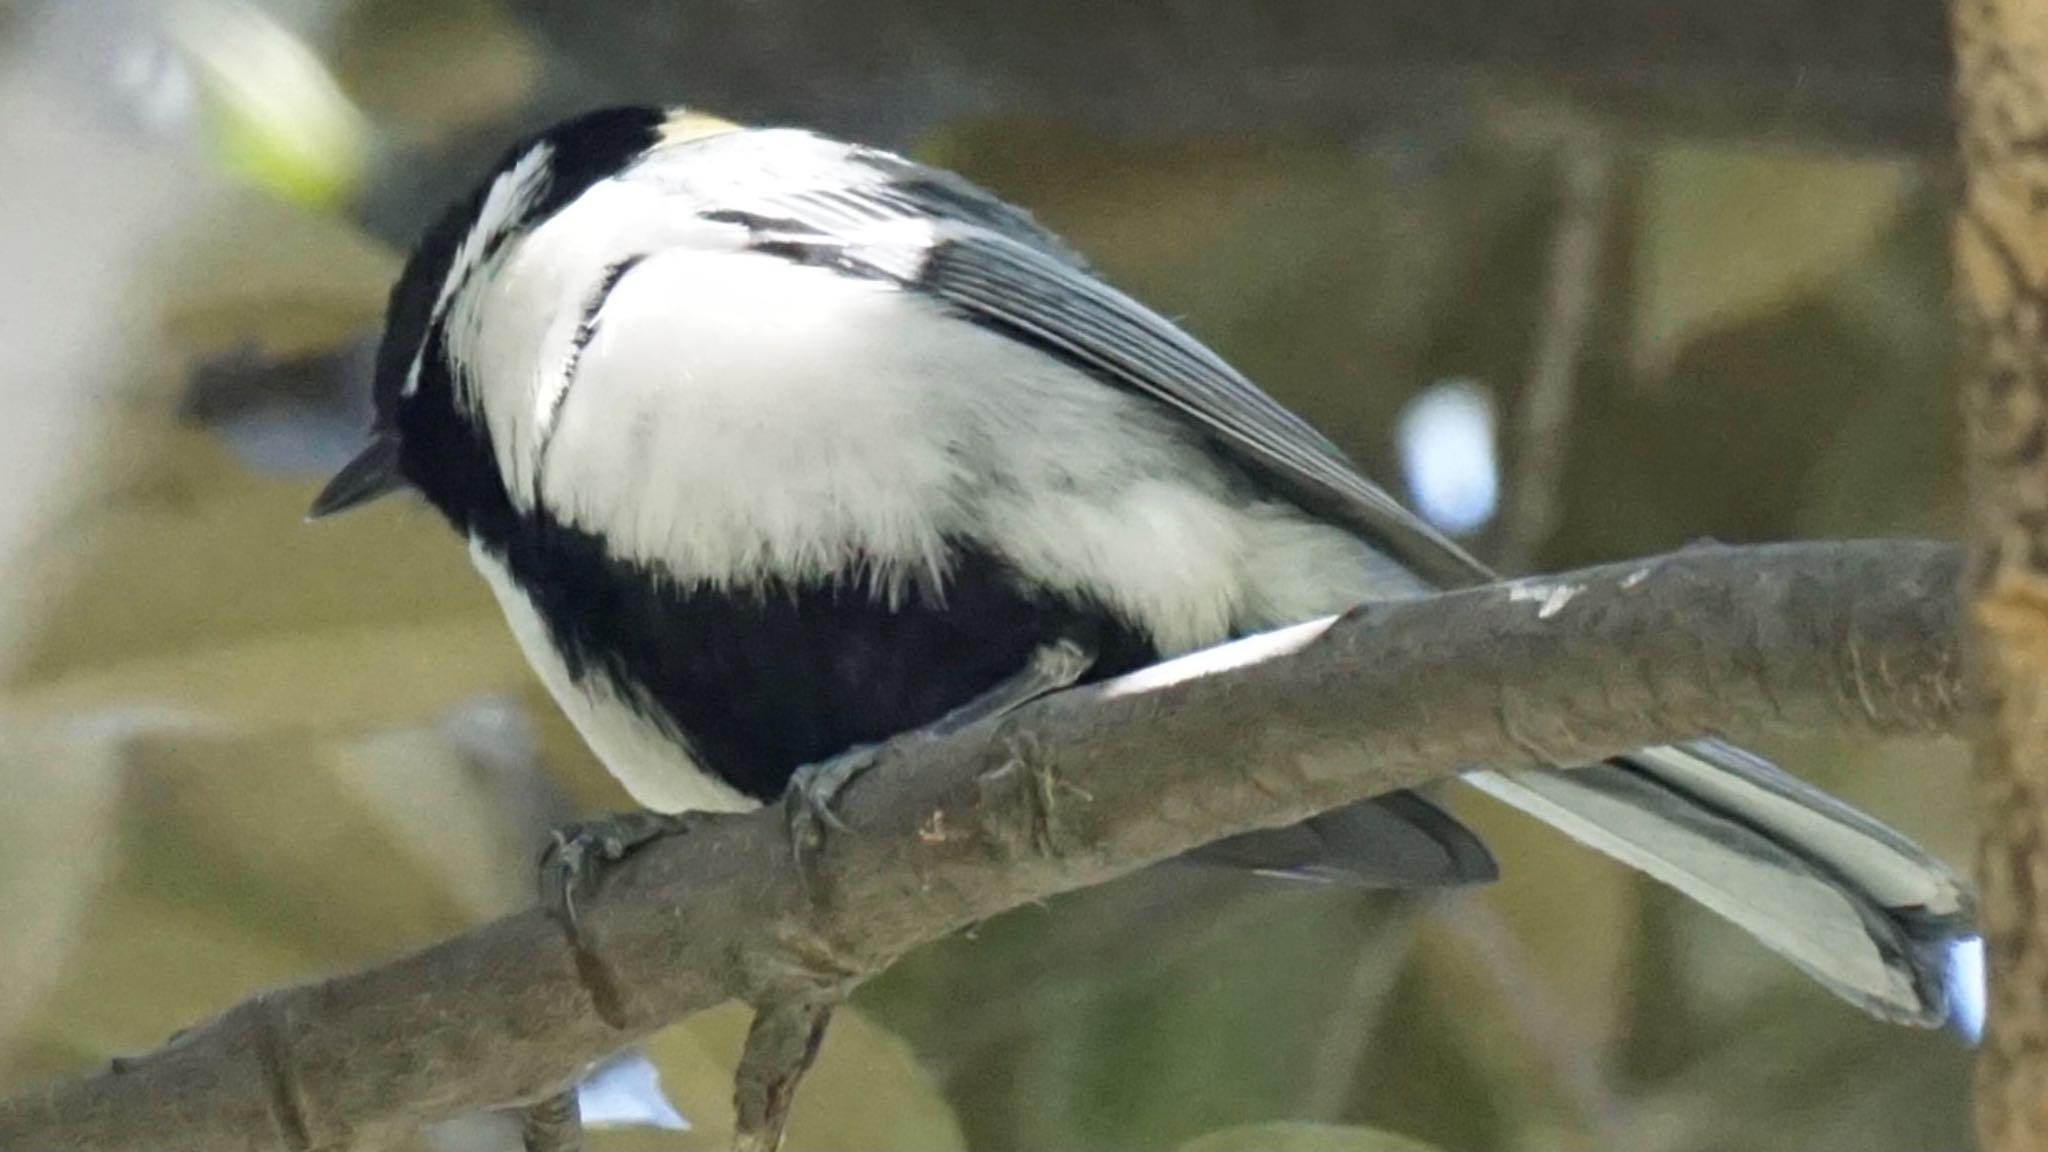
x: 508, y: 201
x: 516, y: 327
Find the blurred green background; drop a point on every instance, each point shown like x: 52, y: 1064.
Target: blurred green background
x: 239, y: 751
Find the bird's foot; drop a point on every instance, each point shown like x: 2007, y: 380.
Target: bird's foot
x: 552, y: 1124
x: 808, y: 804
x: 813, y: 790
x: 577, y: 854
x: 571, y: 867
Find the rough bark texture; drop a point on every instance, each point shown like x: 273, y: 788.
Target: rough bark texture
x: 2002, y: 277
x: 1075, y: 790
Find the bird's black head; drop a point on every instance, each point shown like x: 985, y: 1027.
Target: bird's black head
x: 423, y: 435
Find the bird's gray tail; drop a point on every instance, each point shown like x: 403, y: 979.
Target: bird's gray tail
x: 1855, y: 904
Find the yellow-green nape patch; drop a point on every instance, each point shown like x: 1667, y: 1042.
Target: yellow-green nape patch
x: 684, y: 125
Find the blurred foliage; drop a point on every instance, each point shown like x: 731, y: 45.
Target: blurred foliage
x: 1301, y: 1138
x: 240, y: 751
x: 275, y: 113
x: 1707, y: 259
x: 395, y: 54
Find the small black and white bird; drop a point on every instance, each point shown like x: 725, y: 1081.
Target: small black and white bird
x: 773, y: 446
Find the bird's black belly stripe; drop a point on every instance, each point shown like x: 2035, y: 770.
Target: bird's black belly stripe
x: 765, y: 680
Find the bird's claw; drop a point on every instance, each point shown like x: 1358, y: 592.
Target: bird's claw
x: 577, y: 854
x: 808, y: 804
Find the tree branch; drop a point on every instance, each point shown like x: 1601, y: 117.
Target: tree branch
x: 1076, y: 790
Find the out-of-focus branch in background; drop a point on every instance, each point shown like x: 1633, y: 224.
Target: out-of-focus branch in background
x: 1543, y: 417
x: 1852, y: 74
x: 1838, y: 75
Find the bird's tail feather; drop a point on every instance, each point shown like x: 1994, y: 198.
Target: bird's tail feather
x: 1845, y: 898
x: 1398, y: 840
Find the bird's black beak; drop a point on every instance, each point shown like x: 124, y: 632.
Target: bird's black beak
x: 373, y: 473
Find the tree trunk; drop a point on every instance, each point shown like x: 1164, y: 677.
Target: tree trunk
x: 2001, y: 253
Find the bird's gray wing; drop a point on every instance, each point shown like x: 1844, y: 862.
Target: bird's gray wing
x: 1858, y: 906
x: 1009, y: 286
x: 1399, y: 840
x: 997, y: 267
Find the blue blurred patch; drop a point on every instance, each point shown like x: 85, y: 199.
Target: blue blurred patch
x: 1448, y: 455
x: 1966, y: 987
x: 293, y: 443
x: 295, y: 415
x: 625, y: 1092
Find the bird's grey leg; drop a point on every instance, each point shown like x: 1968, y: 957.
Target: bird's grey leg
x: 577, y: 852
x: 552, y: 1124
x: 1052, y: 667
x: 570, y: 866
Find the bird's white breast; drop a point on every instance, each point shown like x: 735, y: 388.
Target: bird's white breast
x: 734, y: 415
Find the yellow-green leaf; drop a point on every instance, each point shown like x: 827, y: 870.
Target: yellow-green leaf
x: 276, y: 116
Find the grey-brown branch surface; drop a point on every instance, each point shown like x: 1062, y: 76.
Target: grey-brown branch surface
x: 1845, y: 638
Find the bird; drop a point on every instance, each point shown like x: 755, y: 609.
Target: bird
x: 773, y: 447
